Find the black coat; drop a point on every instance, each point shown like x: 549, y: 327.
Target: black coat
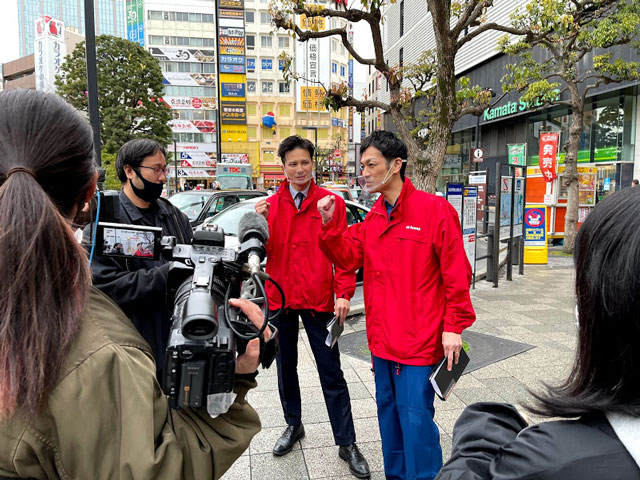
x: 491, y: 441
x: 139, y: 286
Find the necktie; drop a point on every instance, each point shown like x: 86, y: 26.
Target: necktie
x: 299, y: 198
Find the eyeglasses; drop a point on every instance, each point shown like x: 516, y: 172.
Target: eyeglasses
x: 157, y: 170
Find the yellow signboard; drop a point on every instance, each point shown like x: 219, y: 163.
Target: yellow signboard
x: 317, y: 24
x: 233, y: 133
x: 311, y: 98
x: 535, y: 234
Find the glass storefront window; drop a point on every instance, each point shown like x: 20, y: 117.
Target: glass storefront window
x: 608, y: 133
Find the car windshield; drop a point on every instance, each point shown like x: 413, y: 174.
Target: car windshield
x: 190, y: 203
x: 231, y: 183
x: 229, y: 219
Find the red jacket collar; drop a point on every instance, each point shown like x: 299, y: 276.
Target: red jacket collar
x: 407, y: 190
x: 284, y: 189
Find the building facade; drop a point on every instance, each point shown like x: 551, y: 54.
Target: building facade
x: 608, y: 157
x: 109, y: 18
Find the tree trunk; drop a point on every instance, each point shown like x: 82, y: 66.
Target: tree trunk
x: 570, y: 179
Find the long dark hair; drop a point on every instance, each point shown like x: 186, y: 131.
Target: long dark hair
x: 44, y: 269
x: 607, y: 365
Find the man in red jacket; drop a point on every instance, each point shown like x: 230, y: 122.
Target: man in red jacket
x: 295, y: 262
x: 416, y: 286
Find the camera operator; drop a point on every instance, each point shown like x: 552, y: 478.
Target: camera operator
x: 78, y: 393
x: 139, y: 285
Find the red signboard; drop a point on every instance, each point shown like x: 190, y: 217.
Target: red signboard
x: 548, y: 151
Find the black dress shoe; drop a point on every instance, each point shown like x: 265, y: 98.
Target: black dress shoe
x: 287, y: 440
x: 357, y: 463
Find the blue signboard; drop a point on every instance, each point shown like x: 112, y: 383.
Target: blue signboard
x: 232, y: 89
x: 135, y: 33
x: 224, y: 68
x: 535, y: 227
x: 232, y: 59
x: 454, y: 195
x: 281, y: 64
x: 267, y: 64
x: 251, y: 64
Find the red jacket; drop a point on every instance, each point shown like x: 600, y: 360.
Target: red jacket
x: 416, y: 274
x: 294, y: 259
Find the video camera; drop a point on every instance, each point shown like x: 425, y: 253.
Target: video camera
x: 206, y: 332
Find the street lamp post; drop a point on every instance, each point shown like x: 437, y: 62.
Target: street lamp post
x: 315, y: 153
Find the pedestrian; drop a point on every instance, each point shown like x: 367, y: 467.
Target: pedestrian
x: 78, y: 393
x: 599, y: 402
x: 416, y: 284
x: 295, y: 262
x: 635, y: 182
x: 139, y: 284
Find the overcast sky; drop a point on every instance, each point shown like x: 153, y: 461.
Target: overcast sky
x: 9, y: 46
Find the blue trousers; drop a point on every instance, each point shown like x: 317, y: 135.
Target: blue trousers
x: 410, y: 438
x: 334, y: 386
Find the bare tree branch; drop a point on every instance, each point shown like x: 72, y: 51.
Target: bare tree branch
x: 493, y: 26
x: 359, y: 105
x: 471, y: 13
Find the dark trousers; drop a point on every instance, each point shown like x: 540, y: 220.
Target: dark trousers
x: 410, y: 438
x: 334, y: 386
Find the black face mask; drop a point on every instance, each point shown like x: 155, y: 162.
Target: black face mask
x: 151, y: 191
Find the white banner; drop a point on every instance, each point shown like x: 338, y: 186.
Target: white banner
x: 183, y: 54
x: 191, y: 103
x: 190, y: 79
x: 196, y: 147
x: 234, y: 158
x: 193, y: 126
x: 191, y: 172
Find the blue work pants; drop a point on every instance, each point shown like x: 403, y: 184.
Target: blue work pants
x: 410, y: 438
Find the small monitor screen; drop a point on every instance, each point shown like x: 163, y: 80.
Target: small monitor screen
x: 129, y: 241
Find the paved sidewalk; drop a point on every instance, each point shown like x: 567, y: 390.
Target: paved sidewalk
x: 537, y: 308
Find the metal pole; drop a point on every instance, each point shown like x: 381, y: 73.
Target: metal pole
x: 315, y: 152
x: 218, y: 103
x: 496, y: 228
x: 513, y: 203
x: 524, y: 204
x: 175, y: 162
x: 92, y: 76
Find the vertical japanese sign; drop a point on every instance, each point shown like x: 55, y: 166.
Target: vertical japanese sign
x: 548, y: 151
x: 135, y: 21
x: 469, y: 222
x: 49, y: 52
x: 350, y: 84
x: 231, y: 73
x: 312, y: 67
x: 517, y: 154
x: 454, y: 196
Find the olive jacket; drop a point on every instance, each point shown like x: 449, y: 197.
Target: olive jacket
x: 107, y: 417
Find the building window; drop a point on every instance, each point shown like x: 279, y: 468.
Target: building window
x: 249, y: 16
x: 251, y: 64
x: 266, y: 41
x: 342, y: 70
x: 266, y: 64
x: 154, y: 15
x: 334, y: 67
x: 402, y: 18
x: 250, y: 41
x: 267, y: 87
x: 251, y: 87
x: 265, y: 18
x: 283, y: 42
x: 207, y: 18
x: 283, y: 87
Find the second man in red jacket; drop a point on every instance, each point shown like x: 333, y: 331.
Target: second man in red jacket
x: 295, y: 262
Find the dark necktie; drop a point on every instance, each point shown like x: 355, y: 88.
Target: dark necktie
x: 299, y: 199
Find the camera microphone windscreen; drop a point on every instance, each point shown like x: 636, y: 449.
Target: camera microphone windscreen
x: 253, y: 225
